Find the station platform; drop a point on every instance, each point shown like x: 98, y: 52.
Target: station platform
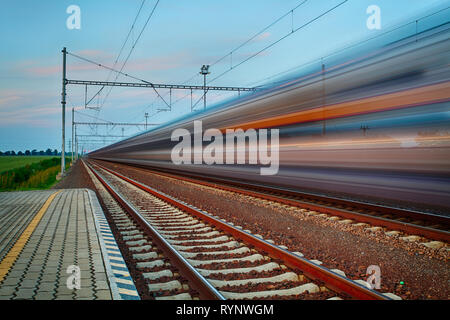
x: 57, y: 245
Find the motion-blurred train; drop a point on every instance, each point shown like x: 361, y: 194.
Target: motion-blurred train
x: 373, y: 126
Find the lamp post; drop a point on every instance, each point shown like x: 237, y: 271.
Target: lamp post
x: 204, y: 71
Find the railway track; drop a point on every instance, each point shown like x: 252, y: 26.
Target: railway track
x: 209, y: 258
x: 163, y: 281
x: 411, y: 225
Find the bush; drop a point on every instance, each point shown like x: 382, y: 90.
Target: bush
x: 32, y: 176
x: 42, y: 179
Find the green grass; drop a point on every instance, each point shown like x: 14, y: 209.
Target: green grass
x: 13, y: 162
x: 32, y: 176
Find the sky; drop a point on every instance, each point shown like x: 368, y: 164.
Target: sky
x: 179, y: 38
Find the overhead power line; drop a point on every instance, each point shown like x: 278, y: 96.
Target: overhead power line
x: 293, y: 30
x: 290, y: 12
x: 347, y: 47
x: 118, y: 72
x: 93, y: 117
x: 131, y: 51
x: 128, y: 35
x: 238, y: 47
x: 121, y: 49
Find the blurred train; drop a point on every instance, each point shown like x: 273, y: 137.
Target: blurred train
x: 374, y: 126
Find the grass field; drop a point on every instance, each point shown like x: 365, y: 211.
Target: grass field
x: 13, y: 162
x: 30, y: 173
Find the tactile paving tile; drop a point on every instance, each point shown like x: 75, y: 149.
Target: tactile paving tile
x: 122, y: 285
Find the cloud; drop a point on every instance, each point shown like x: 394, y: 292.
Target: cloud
x: 11, y: 98
x: 156, y: 63
x: 7, y: 100
x: 44, y: 71
x: 29, y: 108
x: 46, y: 67
x: 93, y: 53
x: 36, y: 116
x: 57, y: 69
x: 263, y: 36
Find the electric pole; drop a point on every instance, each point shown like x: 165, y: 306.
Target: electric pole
x: 63, y: 105
x: 73, y: 123
x: 76, y: 144
x: 146, y: 117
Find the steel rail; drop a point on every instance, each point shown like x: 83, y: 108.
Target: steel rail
x: 331, y: 280
x: 198, y: 282
x: 409, y: 228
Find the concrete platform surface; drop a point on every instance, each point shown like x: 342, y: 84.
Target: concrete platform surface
x: 57, y: 245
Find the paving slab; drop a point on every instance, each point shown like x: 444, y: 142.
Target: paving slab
x: 49, y: 240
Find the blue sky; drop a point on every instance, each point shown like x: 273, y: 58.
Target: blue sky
x: 180, y: 37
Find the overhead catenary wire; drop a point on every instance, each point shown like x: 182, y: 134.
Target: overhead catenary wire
x: 121, y: 49
x: 292, y: 31
x: 346, y: 47
x: 93, y: 117
x: 259, y: 33
x: 279, y: 40
x: 116, y: 71
x: 291, y: 11
x: 171, y: 104
x: 232, y: 51
x: 131, y: 51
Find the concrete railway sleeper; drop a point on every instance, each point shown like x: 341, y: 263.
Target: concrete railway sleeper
x: 239, y: 265
x: 162, y: 280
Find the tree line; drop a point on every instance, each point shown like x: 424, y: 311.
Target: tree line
x: 34, y: 152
